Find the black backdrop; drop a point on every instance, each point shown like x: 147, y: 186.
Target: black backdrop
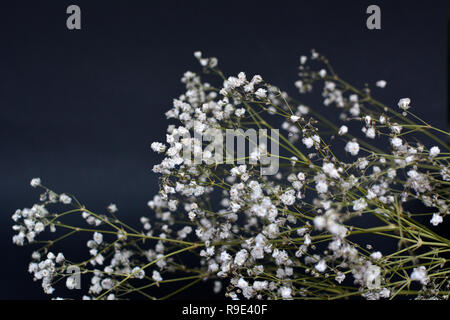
x: 81, y: 108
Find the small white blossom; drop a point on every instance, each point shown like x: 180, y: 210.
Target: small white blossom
x: 381, y: 83
x: 65, y: 199
x: 343, y: 130
x: 158, y: 147
x: 404, y: 103
x: 60, y: 258
x: 434, y: 151
x: 98, y: 237
x: 436, y: 219
x: 376, y: 255
x: 241, y: 257
x: 286, y: 293
x: 239, y: 112
x: 35, y: 182
x: 112, y: 208
x: 396, y: 142
x: 156, y: 276
x: 352, y: 147
x: 288, y: 198
x: 261, y: 93
x: 321, y: 266
x: 308, y: 142
x: 359, y: 204
x: 420, y: 274
x: 322, y: 73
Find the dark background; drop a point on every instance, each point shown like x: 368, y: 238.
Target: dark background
x: 80, y: 108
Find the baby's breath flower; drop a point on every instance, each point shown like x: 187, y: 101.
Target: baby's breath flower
x: 112, y: 208
x: 381, y: 83
x: 396, y: 142
x: 359, y: 204
x: 156, y: 276
x: 420, y: 274
x: 35, y: 182
x: 434, y: 151
x: 404, y: 103
x: 436, y: 219
x: 352, y: 147
x: 65, y: 198
x: 158, y: 147
x: 343, y: 130
x: 260, y: 233
x: 261, y: 93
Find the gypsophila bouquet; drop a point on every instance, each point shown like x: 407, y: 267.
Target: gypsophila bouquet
x: 267, y: 213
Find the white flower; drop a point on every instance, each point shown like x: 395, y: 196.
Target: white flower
x: 158, y: 147
x: 420, y: 274
x: 98, y: 237
x: 65, y: 199
x: 308, y: 142
x: 138, y: 273
x: 436, y: 219
x: 60, y: 258
x: 359, y: 204
x: 343, y: 130
x: 381, y: 83
x: 376, y: 255
x: 322, y: 73
x: 320, y: 222
x: 261, y: 93
x: 39, y: 227
x: 217, y: 286
x: 396, y: 128
x: 404, y: 103
x: 352, y: 147
x: 303, y: 109
x: 241, y: 257
x: 321, y: 266
x: 242, y: 283
x: 242, y: 76
x: 288, y: 198
x: 286, y: 292
x: 239, y: 112
x: 260, y: 285
x: 340, y: 277
x: 321, y: 187
x: 396, y: 142
x: 294, y: 118
x: 35, y: 182
x: 370, y: 133
x: 385, y: 293
x: 330, y: 170
x: 112, y: 208
x: 257, y: 79
x: 303, y: 59
x: 225, y: 256
x: 156, y: 276
x: 434, y: 151
x: 372, y: 277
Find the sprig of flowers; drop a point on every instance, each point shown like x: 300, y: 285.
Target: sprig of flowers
x: 293, y: 235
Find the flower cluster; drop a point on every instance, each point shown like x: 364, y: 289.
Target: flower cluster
x: 290, y: 235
